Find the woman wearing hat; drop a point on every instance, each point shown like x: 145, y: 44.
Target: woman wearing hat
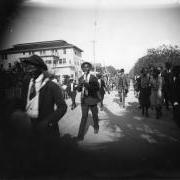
x: 89, y: 88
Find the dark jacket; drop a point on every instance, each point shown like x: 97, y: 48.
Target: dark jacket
x: 49, y: 95
x: 102, y: 88
x: 92, y: 87
x: 176, y: 90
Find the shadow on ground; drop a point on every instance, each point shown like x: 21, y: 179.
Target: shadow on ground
x: 127, y: 156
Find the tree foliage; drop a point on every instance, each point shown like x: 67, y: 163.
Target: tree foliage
x: 158, y: 57
x: 111, y: 70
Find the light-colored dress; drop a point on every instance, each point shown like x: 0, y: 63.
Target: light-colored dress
x: 156, y: 91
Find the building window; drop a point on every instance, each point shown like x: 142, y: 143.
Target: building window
x: 9, y: 65
x: 30, y: 52
x: 1, y: 66
x: 60, y: 61
x: 4, y: 56
x: 64, y: 51
x: 64, y: 60
x: 55, y: 62
x: 48, y: 62
x: 23, y: 53
x: 69, y: 61
x: 44, y: 51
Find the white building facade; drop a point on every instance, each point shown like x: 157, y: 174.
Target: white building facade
x: 61, y: 57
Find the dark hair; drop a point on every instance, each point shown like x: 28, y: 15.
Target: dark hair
x: 122, y: 70
x: 89, y: 64
x: 168, y: 65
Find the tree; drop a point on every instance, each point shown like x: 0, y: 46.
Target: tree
x: 158, y: 57
x: 111, y: 70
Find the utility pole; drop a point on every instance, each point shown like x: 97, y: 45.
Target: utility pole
x: 94, y: 55
x: 94, y: 47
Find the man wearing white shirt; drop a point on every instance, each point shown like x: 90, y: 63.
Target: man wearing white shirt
x: 44, y: 102
x: 71, y: 89
x: 89, y: 88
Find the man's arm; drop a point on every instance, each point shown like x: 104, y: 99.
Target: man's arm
x: 61, y: 106
x: 79, y: 85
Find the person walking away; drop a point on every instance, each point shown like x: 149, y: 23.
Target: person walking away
x: 145, y: 91
x: 122, y: 86
x: 156, y: 92
x: 176, y: 94
x: 71, y: 90
x: 89, y: 88
x: 167, y: 85
x: 102, y: 88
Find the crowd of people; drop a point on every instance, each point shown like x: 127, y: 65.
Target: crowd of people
x: 34, y: 116
x: 31, y: 119
x: 156, y: 87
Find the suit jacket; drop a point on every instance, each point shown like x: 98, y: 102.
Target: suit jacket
x: 102, y: 88
x: 122, y: 82
x: 176, y: 90
x: 49, y: 96
x: 93, y: 89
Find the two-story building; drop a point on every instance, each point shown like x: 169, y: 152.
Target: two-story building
x: 61, y: 57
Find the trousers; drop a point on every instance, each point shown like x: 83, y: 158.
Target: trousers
x: 85, y: 109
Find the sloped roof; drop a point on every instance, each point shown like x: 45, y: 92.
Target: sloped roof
x: 40, y: 46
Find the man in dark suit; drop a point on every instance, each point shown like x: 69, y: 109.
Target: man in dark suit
x: 43, y: 100
x: 122, y: 86
x: 168, y: 84
x: 176, y: 94
x: 71, y: 90
x: 102, y: 88
x: 89, y: 88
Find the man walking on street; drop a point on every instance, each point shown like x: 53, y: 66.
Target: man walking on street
x: 71, y: 90
x: 102, y: 88
x: 89, y: 88
x: 122, y: 86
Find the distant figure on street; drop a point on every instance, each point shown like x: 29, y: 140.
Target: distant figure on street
x: 89, y: 88
x: 102, y: 88
x: 168, y: 84
x: 176, y: 94
x: 156, y: 97
x: 145, y: 92
x: 72, y: 92
x: 122, y: 86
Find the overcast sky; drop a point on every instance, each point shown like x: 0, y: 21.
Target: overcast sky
x: 124, y: 29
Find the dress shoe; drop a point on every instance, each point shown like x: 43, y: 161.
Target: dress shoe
x: 78, y: 138
x: 96, y: 130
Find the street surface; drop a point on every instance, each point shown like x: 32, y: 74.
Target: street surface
x: 127, y: 144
